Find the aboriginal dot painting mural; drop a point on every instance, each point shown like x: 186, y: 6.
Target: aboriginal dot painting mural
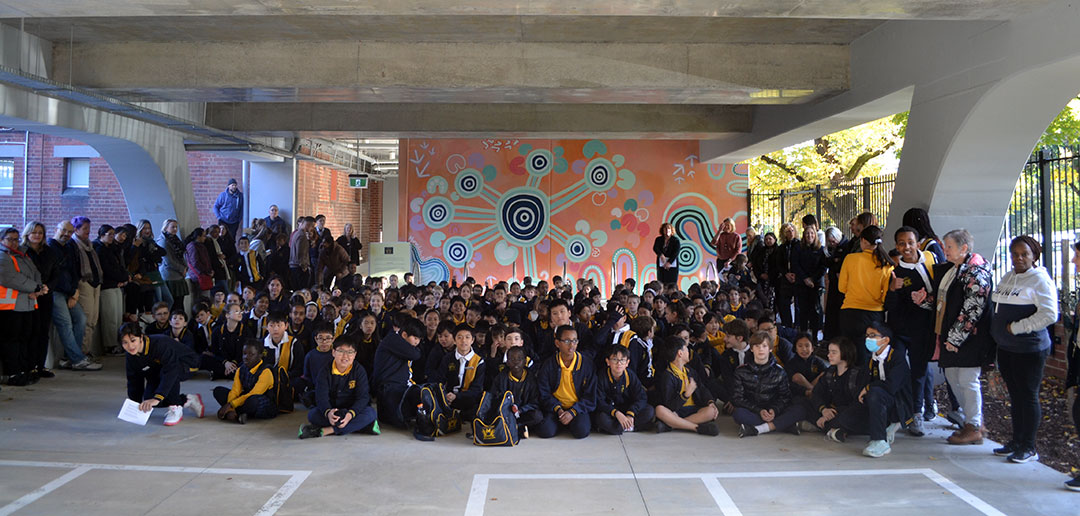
x: 507, y: 208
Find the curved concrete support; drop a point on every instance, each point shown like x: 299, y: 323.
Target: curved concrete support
x: 964, y: 151
x: 150, y: 162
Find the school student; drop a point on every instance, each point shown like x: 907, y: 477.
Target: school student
x: 396, y: 358
x: 462, y: 374
x: 286, y: 356
x: 761, y: 393
x: 684, y: 402
x: 567, y: 387
x: 837, y: 391
x: 342, y: 399
x: 804, y: 369
x: 444, y: 338
x: 621, y: 402
x: 156, y: 364
x: 519, y: 381
x: 864, y: 280
x: 227, y: 340
x: 299, y: 327
x: 160, y: 325
x: 641, y: 349
x: 736, y: 353
x: 314, y: 361
x: 178, y: 330
x: 252, y: 392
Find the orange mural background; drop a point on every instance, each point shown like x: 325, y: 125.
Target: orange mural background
x: 499, y: 209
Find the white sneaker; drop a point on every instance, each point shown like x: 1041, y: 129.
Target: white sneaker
x: 174, y: 415
x: 890, y: 432
x: 194, y: 402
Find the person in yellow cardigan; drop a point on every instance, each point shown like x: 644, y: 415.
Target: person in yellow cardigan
x: 864, y: 281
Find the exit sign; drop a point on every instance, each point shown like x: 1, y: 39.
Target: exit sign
x: 358, y: 181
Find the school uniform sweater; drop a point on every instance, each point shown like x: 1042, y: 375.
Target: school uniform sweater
x: 810, y: 367
x: 228, y: 346
x: 837, y: 391
x: 912, y: 324
x: 568, y: 386
x: 671, y: 383
x: 248, y: 383
x: 314, y: 362
x: 287, y: 355
x: 526, y: 392
x: 469, y: 381
x: 625, y: 394
x: 395, y: 360
x: 346, y: 390
x: 641, y: 361
x: 863, y: 283
x: 1029, y: 302
x: 170, y: 360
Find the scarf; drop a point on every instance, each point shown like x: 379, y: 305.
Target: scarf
x: 86, y: 255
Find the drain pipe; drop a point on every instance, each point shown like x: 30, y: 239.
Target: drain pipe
x: 25, y: 174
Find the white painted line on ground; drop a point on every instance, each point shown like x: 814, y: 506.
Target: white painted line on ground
x: 720, y: 495
x: 962, y: 493
x: 478, y: 492
x: 296, y: 477
x: 42, y: 491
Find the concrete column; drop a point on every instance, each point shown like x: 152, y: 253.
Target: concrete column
x: 270, y: 183
x: 390, y: 207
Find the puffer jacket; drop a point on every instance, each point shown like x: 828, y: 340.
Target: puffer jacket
x: 761, y: 386
x: 26, y: 280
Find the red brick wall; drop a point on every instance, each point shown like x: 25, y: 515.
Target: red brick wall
x: 103, y: 202
x: 1057, y: 365
x: 324, y: 190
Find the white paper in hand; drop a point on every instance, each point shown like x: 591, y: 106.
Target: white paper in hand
x: 130, y: 412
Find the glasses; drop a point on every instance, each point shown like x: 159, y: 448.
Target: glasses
x: 619, y: 360
x: 325, y: 338
x: 345, y: 352
x: 11, y: 239
x: 873, y: 335
x: 569, y: 341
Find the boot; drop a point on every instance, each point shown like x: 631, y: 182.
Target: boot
x: 968, y: 435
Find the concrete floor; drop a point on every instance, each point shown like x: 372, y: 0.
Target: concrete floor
x: 62, y: 451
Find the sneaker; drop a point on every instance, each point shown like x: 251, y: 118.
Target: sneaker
x: 931, y: 411
x: 915, y: 428
x: 1022, y: 456
x: 373, y: 428
x: 86, y: 365
x: 115, y: 351
x: 1006, y: 450
x: 835, y: 435
x: 807, y: 426
x: 421, y: 437
x: 309, y: 432
x: 194, y: 402
x: 174, y: 415
x: 708, y: 428
x: 241, y: 418
x: 955, y: 417
x: 1073, y: 485
x: 662, y: 427
x: 747, y: 431
x: 877, y: 449
x: 890, y: 432
x: 64, y: 364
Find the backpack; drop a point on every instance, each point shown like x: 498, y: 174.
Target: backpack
x: 495, y: 423
x: 283, y: 391
x: 434, y: 416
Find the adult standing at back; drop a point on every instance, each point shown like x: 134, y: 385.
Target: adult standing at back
x: 727, y: 243
x: 666, y: 247
x: 351, y: 244
x: 300, y: 254
x: 173, y: 266
x: 35, y: 247
x: 68, y: 317
x: 88, y: 270
x: 1025, y: 304
x: 229, y: 207
x: 20, y: 286
x: 275, y: 224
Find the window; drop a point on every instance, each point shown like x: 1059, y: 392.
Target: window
x: 78, y: 172
x: 7, y: 176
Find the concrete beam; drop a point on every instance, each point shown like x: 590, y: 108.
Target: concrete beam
x: 866, y: 9
x: 455, y: 72
x: 481, y: 120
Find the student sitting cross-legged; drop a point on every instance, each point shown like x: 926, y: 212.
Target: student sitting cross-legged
x: 462, y: 374
x: 683, y: 400
x: 621, y: 402
x: 397, y: 360
x: 837, y: 390
x: 286, y: 355
x: 567, y: 388
x: 761, y: 394
x: 252, y: 393
x: 156, y: 364
x: 518, y: 380
x: 342, y: 402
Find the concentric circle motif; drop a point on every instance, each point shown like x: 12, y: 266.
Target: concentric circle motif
x: 600, y: 174
x: 523, y: 216
x: 469, y: 183
x: 458, y: 251
x: 438, y: 212
x: 539, y: 162
x: 689, y: 258
x: 578, y: 248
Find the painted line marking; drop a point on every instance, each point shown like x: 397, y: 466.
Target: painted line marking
x: 296, y: 477
x: 481, y: 482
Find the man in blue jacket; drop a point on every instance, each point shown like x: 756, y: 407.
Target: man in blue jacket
x: 229, y: 207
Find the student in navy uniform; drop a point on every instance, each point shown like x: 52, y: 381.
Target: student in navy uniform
x: 160, y: 325
x: 518, y: 380
x: 250, y: 267
x: 444, y: 343
x: 621, y: 402
x: 227, y: 340
x: 683, y: 401
x: 156, y: 365
x: 804, y: 369
x: 705, y: 359
x: 314, y: 361
x: 342, y: 399
x: 641, y: 349
x: 736, y: 353
x: 567, y: 385
x: 299, y: 327
x: 761, y: 395
x: 397, y: 356
x: 838, y: 389
x: 252, y: 392
x: 286, y: 356
x: 779, y: 338
x: 461, y: 373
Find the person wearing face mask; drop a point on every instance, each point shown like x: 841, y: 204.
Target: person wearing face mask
x: 1025, y: 304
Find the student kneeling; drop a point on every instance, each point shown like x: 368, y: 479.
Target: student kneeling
x: 342, y: 402
x: 252, y: 393
x: 684, y: 402
x: 762, y: 396
x: 621, y: 403
x: 567, y: 388
x: 156, y: 364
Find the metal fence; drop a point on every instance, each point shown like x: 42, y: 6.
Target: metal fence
x: 832, y: 205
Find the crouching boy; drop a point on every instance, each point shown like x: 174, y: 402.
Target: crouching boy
x: 156, y: 364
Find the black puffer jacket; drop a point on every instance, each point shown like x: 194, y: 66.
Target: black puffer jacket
x: 837, y: 391
x: 761, y: 386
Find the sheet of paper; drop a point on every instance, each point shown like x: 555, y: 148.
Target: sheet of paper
x: 130, y: 412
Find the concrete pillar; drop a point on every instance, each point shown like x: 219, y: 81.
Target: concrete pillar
x: 390, y: 206
x: 270, y: 183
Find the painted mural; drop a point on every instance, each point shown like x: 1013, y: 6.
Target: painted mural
x: 506, y: 208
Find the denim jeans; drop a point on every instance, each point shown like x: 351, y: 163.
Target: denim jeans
x: 70, y: 324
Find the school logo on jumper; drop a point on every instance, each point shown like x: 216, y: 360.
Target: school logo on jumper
x: 489, y: 433
x: 352, y: 384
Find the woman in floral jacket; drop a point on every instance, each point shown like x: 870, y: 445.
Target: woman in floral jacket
x: 963, y: 288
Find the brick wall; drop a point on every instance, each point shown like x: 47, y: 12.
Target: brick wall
x: 1057, y: 365
x: 324, y: 190
x: 48, y: 202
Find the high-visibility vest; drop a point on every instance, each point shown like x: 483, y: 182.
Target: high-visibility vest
x: 8, y: 296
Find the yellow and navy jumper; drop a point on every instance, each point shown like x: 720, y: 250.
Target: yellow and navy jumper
x: 287, y: 359
x: 343, y: 392
x: 157, y: 370
x: 625, y: 394
x: 671, y: 382
x: 570, y: 386
x: 252, y: 392
x: 526, y: 395
x: 469, y: 384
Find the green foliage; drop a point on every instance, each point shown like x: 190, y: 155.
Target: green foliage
x: 1064, y: 130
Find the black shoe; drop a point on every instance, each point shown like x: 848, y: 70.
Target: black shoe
x: 44, y: 373
x: 242, y: 419
x: 1006, y: 450
x: 793, y: 430
x: 708, y: 428
x: 1022, y: 456
x: 422, y: 437
x: 1073, y: 485
x: 309, y: 432
x: 931, y: 411
x: 18, y: 380
x: 747, y: 431
x: 662, y: 427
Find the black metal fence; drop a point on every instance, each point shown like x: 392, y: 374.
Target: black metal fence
x: 832, y: 205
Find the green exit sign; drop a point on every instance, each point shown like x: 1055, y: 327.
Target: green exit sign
x: 358, y: 181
